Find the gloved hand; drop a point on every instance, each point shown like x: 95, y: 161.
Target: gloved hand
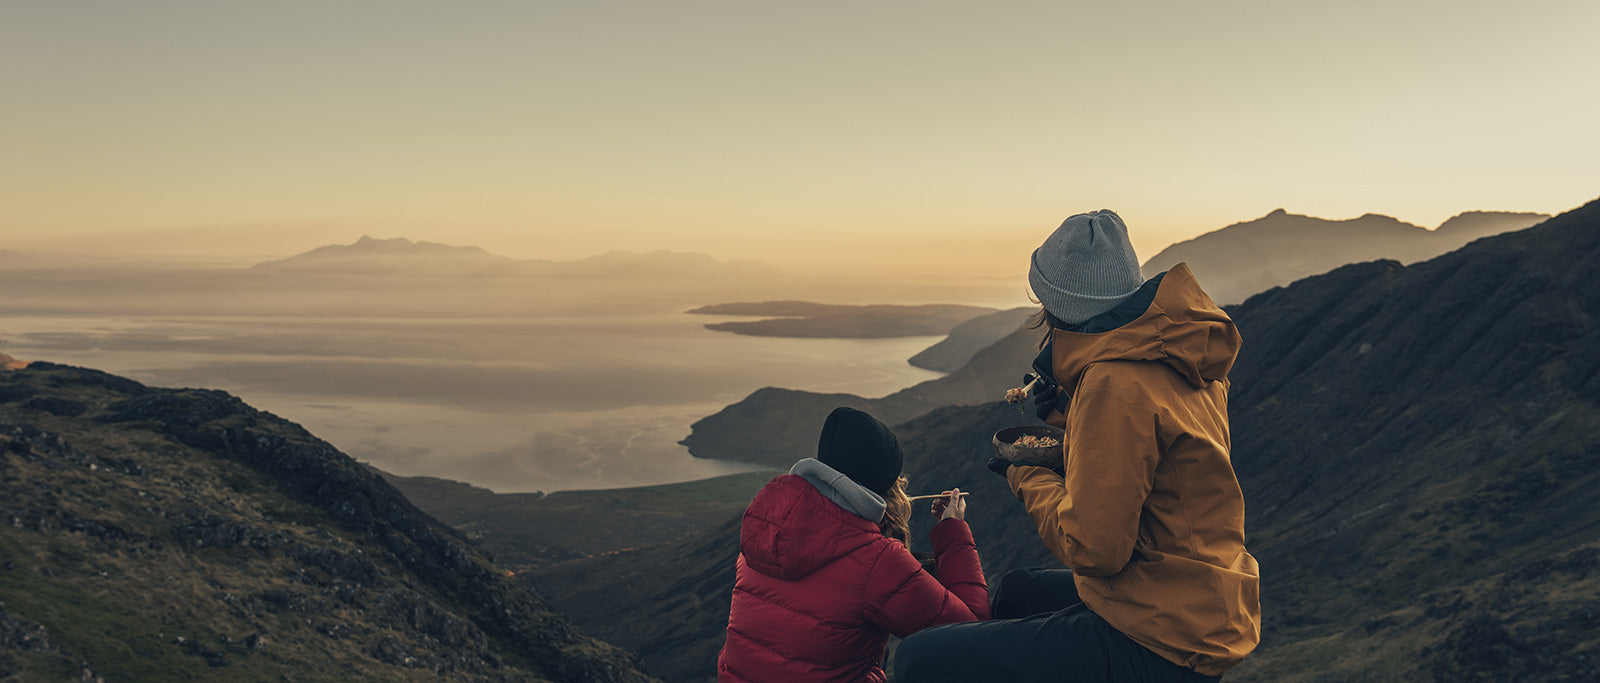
x: 999, y: 465
x: 1047, y: 395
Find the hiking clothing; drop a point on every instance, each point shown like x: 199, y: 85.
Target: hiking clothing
x: 1085, y: 268
x: 861, y: 447
x: 1149, y: 514
x: 1025, y: 592
x: 819, y: 588
x: 998, y: 465
x: 1125, y: 312
x: 1047, y: 395
x: 1041, y: 632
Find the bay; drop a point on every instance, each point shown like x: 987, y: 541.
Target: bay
x: 514, y: 404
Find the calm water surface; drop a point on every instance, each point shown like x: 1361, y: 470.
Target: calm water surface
x: 534, y: 403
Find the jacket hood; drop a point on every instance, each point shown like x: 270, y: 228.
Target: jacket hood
x: 841, y: 489
x: 1182, y: 328
x: 801, y: 522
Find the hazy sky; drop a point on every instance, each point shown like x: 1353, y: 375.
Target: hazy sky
x: 949, y: 134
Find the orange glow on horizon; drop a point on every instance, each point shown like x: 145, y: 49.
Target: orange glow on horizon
x: 892, y: 136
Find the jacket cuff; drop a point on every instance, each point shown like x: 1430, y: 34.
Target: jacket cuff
x: 950, y: 532
x: 1017, y: 475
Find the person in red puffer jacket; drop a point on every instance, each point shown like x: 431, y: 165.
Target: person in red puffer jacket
x: 821, y: 581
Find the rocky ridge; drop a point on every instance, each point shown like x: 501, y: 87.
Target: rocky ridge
x: 166, y: 534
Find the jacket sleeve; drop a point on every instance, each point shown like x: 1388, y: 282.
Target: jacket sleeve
x: 956, y: 557
x: 903, y: 599
x: 1090, y: 517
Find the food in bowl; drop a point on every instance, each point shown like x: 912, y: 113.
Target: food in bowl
x: 1035, y: 441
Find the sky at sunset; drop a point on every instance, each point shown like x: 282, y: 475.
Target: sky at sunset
x: 891, y: 133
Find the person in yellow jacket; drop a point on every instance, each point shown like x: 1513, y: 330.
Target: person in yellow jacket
x: 1145, y: 511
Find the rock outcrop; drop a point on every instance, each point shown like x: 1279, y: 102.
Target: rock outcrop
x: 158, y: 534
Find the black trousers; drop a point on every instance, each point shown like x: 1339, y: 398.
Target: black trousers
x: 1040, y: 631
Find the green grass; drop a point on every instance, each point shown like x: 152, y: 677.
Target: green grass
x: 91, y: 624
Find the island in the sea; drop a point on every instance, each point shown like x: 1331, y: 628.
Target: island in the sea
x: 814, y: 320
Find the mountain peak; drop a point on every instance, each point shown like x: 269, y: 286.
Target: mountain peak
x: 1244, y: 258
x: 370, y: 241
x: 396, y: 255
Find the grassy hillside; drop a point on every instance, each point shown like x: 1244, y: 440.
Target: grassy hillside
x: 155, y: 534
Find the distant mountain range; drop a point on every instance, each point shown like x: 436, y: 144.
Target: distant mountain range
x: 397, y: 256
x: 402, y: 257
x: 1245, y: 258
x: 178, y: 534
x: 1419, y: 448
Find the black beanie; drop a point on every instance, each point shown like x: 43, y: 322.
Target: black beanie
x: 860, y: 447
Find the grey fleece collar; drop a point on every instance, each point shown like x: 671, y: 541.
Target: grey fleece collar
x: 841, y: 489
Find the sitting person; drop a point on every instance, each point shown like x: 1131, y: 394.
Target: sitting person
x: 1144, y: 509
x: 825, y: 575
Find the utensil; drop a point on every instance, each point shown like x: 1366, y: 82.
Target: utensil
x: 933, y: 495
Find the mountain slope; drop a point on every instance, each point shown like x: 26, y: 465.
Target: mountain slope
x: 400, y: 257
x: 775, y: 427
x: 970, y: 337
x: 526, y: 531
x: 396, y: 256
x: 1419, y: 448
x: 1279, y: 248
x: 160, y: 534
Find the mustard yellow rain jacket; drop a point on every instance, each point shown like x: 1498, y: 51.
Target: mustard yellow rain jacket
x: 1149, y: 516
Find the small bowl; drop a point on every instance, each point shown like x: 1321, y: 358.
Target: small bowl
x: 1043, y: 456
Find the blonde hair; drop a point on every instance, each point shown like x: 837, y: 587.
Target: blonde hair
x: 897, y: 513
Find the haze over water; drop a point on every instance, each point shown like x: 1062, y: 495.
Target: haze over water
x: 513, y: 384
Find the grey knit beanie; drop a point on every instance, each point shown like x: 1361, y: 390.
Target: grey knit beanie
x: 1085, y: 268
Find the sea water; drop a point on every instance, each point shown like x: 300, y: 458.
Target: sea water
x: 513, y: 404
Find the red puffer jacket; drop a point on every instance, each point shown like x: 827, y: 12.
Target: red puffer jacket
x: 820, y: 588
